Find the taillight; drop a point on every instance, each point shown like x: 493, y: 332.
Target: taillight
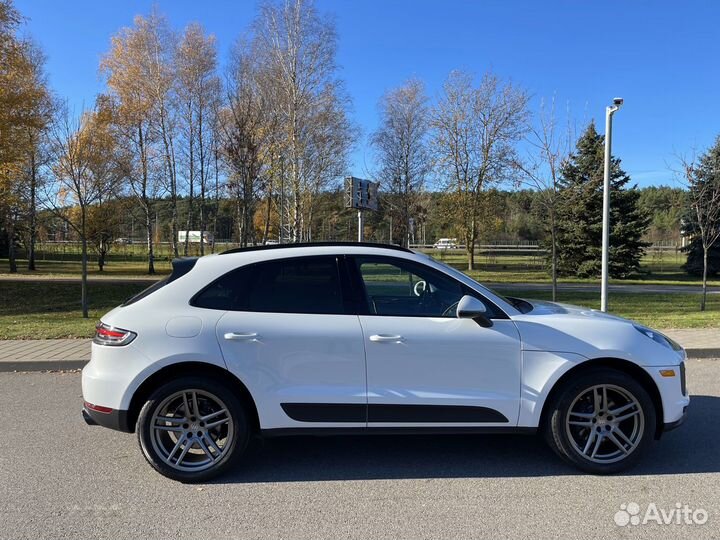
x: 109, y: 335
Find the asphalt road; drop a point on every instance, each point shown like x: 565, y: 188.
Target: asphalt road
x: 62, y: 479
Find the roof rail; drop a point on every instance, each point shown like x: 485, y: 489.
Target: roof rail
x: 317, y: 244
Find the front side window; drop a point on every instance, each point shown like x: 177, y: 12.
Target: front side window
x: 301, y: 285
x: 403, y: 289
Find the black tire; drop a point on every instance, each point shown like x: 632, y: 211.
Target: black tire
x: 566, y: 440
x: 233, y: 449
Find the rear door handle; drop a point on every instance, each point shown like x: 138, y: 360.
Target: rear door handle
x: 236, y: 336
x: 380, y: 338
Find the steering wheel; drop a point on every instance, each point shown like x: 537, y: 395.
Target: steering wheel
x: 422, y: 286
x: 451, y: 309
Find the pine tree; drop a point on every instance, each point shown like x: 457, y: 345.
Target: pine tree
x: 694, y: 250
x: 580, y: 214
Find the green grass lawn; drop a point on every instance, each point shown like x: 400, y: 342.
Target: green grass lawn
x: 45, y: 310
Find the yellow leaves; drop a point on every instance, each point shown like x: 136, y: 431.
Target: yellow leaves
x: 23, y: 98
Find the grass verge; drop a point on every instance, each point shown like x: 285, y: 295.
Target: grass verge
x: 48, y: 310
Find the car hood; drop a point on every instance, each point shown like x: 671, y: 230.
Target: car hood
x: 551, y: 326
x: 542, y: 307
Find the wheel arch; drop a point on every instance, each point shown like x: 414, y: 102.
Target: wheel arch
x: 625, y: 366
x: 201, y: 369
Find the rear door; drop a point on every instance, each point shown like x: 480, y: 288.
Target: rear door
x: 293, y: 339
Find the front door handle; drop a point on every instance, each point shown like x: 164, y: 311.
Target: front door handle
x: 236, y: 336
x: 381, y: 338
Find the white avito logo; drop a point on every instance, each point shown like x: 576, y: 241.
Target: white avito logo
x: 680, y: 514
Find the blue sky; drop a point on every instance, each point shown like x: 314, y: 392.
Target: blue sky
x: 661, y: 56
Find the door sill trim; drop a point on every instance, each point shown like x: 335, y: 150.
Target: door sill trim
x: 410, y: 430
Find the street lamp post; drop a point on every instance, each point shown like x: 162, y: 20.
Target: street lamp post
x: 609, y: 111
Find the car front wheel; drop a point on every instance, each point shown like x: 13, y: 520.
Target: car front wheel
x: 192, y: 429
x: 601, y: 422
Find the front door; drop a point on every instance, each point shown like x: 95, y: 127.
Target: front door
x: 425, y: 367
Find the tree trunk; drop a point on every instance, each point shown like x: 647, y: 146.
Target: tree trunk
x: 151, y: 253
x: 12, y: 257
x: 84, y: 292
x: 217, y: 200
x: 191, y: 194
x: 203, y: 226
x: 704, y: 281
x: 266, y: 228
x: 553, y: 256
x: 101, y: 255
x: 145, y: 202
x: 32, y: 211
x: 470, y: 246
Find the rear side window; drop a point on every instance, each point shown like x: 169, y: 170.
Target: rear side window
x: 226, y: 293
x: 300, y: 285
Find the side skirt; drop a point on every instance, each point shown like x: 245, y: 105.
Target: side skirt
x: 414, y: 430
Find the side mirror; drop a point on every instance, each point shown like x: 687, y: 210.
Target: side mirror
x: 470, y: 307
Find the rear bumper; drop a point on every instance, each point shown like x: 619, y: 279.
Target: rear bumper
x: 114, y: 419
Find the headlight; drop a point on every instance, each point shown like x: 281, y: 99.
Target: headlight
x: 658, y: 337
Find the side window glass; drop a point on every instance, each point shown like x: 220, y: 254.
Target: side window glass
x: 302, y: 285
x: 407, y: 290
x: 226, y: 293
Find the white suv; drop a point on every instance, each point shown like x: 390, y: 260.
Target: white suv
x: 358, y: 338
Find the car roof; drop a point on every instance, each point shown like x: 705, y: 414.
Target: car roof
x: 316, y: 244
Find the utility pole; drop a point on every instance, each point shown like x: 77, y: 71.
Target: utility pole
x: 609, y: 111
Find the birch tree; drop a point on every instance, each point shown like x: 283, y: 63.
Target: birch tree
x: 198, y: 94
x: 299, y: 46
x: 246, y: 135
x: 475, y: 130
x: 132, y: 71
x: 541, y: 172
x: 401, y: 146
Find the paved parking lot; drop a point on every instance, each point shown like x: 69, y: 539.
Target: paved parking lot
x: 62, y: 479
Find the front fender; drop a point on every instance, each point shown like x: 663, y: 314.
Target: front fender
x: 541, y: 370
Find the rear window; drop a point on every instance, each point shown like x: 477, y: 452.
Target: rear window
x: 299, y: 285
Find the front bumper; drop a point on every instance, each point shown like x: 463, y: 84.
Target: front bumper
x: 114, y: 419
x: 669, y: 426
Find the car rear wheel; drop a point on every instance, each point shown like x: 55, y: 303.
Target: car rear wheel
x: 192, y: 429
x: 601, y: 422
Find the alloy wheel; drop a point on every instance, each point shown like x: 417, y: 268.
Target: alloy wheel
x: 605, y: 423
x: 191, y: 430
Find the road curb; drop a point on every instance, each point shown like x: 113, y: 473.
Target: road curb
x: 7, y: 366
x: 702, y: 353
x: 40, y: 365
